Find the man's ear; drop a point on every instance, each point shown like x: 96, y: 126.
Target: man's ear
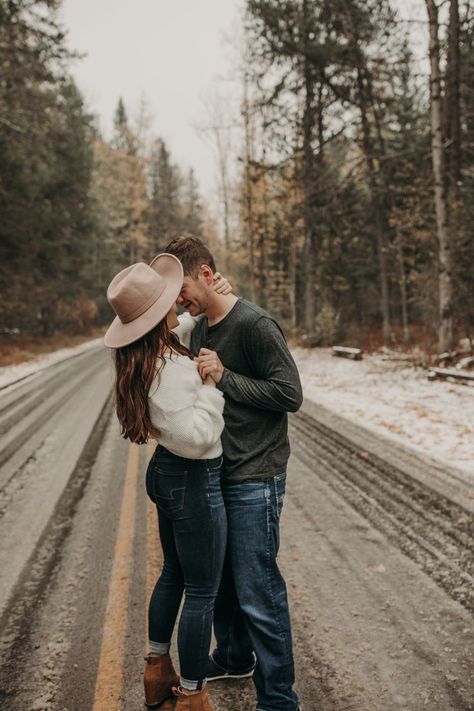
x: 207, y: 273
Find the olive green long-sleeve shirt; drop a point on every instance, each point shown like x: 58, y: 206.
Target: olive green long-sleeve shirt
x: 260, y: 384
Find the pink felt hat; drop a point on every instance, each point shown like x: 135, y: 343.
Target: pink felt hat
x: 141, y: 296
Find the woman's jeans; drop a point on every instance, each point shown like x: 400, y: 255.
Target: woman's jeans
x: 193, y: 532
x: 251, y: 613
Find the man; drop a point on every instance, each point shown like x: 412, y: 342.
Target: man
x: 245, y: 352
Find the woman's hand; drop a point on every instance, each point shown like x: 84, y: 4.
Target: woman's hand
x: 209, y: 380
x: 206, y: 379
x: 221, y: 284
x: 210, y: 364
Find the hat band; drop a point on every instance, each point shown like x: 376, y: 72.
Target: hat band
x: 143, y: 307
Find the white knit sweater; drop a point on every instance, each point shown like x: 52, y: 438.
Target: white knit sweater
x: 187, y: 412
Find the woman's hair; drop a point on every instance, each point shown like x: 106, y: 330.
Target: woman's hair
x: 136, y: 366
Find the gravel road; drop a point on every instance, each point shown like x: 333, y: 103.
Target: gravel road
x: 377, y: 550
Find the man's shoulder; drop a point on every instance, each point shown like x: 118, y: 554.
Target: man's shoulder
x: 252, y: 312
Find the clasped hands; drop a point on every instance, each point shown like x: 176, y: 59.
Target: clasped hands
x: 209, y: 365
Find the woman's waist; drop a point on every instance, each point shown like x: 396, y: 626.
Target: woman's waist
x: 164, y: 454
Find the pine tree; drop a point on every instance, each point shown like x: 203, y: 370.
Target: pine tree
x: 165, y: 213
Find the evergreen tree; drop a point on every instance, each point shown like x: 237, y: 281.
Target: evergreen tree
x: 192, y: 221
x: 164, y: 215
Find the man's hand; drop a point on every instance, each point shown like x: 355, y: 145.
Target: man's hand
x: 221, y: 284
x: 209, y: 364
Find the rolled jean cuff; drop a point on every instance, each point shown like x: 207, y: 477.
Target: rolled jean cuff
x: 159, y: 647
x: 191, y: 685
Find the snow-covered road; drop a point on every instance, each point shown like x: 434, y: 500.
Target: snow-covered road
x: 390, y: 397
x: 12, y: 373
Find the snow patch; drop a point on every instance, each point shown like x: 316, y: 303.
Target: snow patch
x: 11, y: 373
x: 395, y: 399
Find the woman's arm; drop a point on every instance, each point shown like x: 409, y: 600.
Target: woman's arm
x: 188, y: 412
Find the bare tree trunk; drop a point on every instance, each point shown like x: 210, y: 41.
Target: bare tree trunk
x: 309, y: 243
x: 437, y: 149
x: 292, y: 280
x: 380, y: 222
x: 452, y: 107
x: 403, y: 290
x: 224, y: 186
x: 263, y: 243
x: 248, y: 188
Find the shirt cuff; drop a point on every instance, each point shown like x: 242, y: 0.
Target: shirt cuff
x: 221, y: 385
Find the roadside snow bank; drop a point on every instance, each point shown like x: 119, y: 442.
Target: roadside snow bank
x: 436, y: 418
x: 10, y: 373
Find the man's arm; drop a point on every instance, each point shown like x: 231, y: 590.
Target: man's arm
x: 277, y: 384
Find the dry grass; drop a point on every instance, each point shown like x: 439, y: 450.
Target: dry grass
x: 15, y: 349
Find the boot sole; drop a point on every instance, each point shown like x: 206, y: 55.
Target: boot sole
x: 157, y: 704
x: 226, y: 675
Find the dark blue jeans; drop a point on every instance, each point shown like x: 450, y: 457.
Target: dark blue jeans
x: 193, y: 531
x: 251, y: 613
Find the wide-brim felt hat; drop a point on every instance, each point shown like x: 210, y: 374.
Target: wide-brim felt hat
x: 141, y: 295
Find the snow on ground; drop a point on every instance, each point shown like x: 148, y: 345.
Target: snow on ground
x: 11, y: 373
x: 395, y: 399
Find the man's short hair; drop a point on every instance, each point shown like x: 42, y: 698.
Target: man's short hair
x: 192, y: 253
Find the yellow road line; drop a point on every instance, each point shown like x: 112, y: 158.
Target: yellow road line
x: 110, y: 673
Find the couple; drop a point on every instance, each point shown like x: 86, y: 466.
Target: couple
x: 214, y: 391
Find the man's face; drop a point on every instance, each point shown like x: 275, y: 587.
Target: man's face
x: 194, y: 294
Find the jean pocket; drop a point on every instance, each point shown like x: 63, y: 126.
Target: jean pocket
x: 170, y: 490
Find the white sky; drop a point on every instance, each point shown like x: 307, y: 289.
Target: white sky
x: 170, y: 52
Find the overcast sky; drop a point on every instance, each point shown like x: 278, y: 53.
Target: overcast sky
x: 171, y: 52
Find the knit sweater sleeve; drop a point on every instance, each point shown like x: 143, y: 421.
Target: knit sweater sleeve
x: 276, y: 385
x: 188, y: 413
x: 185, y: 327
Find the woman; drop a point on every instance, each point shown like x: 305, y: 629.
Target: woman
x: 159, y: 393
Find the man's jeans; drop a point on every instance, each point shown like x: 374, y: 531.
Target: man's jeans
x: 251, y: 612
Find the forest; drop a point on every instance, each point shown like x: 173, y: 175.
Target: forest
x: 346, y: 176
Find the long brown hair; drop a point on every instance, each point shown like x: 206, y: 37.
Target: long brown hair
x: 136, y: 366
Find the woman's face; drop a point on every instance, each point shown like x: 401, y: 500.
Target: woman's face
x: 171, y: 317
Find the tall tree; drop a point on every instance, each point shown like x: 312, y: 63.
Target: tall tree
x: 165, y: 213
x: 45, y: 171
x: 192, y: 220
x: 440, y: 182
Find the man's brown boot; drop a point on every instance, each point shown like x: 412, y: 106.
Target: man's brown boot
x: 159, y: 679
x: 189, y: 701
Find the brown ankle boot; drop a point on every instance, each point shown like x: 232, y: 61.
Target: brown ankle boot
x: 159, y: 679
x: 193, y: 702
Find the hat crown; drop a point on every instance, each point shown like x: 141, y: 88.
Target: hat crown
x: 133, y: 290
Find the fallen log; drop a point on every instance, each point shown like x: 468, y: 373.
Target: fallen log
x: 446, y: 357
x: 344, y: 352
x: 458, y: 374
x: 467, y: 362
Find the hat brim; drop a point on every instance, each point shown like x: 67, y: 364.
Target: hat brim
x: 122, y: 334
x: 168, y: 266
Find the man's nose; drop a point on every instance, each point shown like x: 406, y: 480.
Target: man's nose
x: 180, y: 300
